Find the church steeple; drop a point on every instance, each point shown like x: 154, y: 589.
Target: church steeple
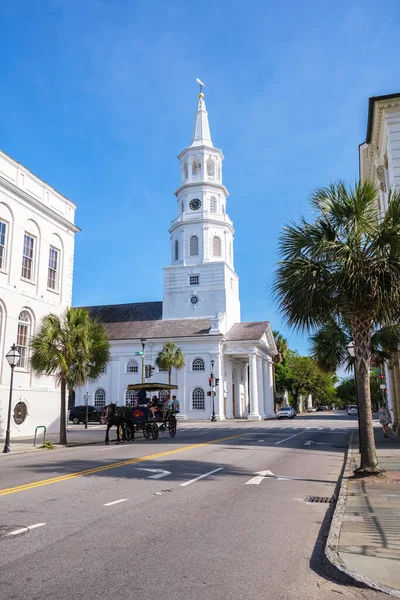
x: 201, y: 129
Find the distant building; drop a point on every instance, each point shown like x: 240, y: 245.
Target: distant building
x: 380, y: 162
x: 36, y: 267
x: 200, y: 311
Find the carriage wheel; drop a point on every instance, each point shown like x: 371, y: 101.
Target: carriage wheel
x: 147, y: 430
x: 129, y: 434
x: 172, y: 427
x: 154, y: 433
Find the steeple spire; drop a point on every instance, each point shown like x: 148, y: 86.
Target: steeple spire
x: 201, y: 129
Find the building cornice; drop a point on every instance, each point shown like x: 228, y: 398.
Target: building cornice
x: 4, y: 183
x: 203, y: 183
x: 203, y: 220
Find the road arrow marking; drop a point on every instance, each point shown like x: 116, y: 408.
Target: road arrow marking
x: 160, y: 473
x: 310, y: 442
x: 259, y: 477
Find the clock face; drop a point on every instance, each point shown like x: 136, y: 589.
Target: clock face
x: 194, y: 299
x: 195, y: 204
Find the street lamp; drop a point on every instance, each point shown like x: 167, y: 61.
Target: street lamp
x: 143, y: 340
x: 352, y: 353
x: 213, y: 390
x: 13, y: 357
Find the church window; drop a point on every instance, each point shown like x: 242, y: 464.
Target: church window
x: 194, y: 279
x: 198, y: 399
x: 184, y: 171
x: 3, y: 239
x: 213, y: 204
x: 196, y: 168
x: 176, y: 250
x: 211, y: 168
x: 183, y: 206
x: 131, y: 397
x: 194, y: 245
x: 198, y: 364
x: 23, y: 335
x: 223, y: 209
x: 216, y: 246
x: 100, y: 397
x: 132, y: 367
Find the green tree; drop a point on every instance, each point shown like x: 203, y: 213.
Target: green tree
x: 72, y: 347
x: 169, y: 358
x: 345, y: 263
x: 303, y: 376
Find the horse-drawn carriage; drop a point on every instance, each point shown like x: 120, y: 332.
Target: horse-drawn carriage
x: 146, y: 416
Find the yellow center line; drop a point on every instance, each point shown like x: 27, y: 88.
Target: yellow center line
x: 132, y: 461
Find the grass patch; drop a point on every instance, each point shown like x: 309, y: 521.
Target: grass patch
x: 48, y: 446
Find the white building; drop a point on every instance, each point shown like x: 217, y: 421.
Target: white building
x: 380, y: 163
x: 200, y: 311
x: 36, y: 267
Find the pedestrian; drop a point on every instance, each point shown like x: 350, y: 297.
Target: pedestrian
x: 384, y: 419
x: 175, y: 404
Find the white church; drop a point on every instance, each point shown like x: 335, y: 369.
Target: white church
x: 200, y: 310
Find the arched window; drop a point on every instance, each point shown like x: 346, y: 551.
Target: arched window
x: 196, y: 168
x: 194, y: 245
x: 132, y: 367
x: 198, y: 399
x: 213, y: 204
x: 198, y: 364
x: 176, y: 250
x: 100, y: 397
x: 23, y: 335
x: 131, y: 397
x: 216, y: 246
x: 211, y: 168
x: 183, y: 206
x: 223, y: 209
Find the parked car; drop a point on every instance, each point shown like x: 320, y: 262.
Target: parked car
x: 285, y: 412
x: 352, y: 410
x: 78, y: 414
x: 312, y: 409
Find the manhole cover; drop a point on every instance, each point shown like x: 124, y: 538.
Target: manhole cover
x: 5, y: 530
x: 319, y: 499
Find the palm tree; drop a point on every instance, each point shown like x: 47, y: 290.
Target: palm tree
x: 73, y: 348
x: 170, y: 357
x: 345, y: 264
x: 281, y: 346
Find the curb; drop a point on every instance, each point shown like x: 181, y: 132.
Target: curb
x: 56, y: 447
x: 333, y: 564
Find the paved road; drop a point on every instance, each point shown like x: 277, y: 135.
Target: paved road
x: 218, y: 512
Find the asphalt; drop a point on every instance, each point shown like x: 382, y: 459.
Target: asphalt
x: 189, y: 517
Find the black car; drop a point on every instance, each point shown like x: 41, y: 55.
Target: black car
x: 78, y: 414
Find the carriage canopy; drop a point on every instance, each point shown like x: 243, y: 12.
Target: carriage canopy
x: 151, y: 387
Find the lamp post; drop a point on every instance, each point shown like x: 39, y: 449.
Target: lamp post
x: 143, y: 340
x: 86, y: 397
x: 213, y: 390
x: 13, y: 357
x: 351, y: 351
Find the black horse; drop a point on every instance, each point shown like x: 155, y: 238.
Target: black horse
x: 111, y: 415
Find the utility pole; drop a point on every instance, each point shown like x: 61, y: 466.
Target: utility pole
x: 143, y: 369
x: 213, y: 418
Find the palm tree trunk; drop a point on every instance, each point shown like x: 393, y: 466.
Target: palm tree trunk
x: 361, y: 330
x: 169, y: 381
x: 63, y: 411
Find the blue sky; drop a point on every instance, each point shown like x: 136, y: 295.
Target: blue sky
x: 97, y: 98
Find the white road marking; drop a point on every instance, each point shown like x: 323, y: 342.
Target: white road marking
x: 23, y: 529
x: 116, y: 502
x: 320, y: 428
x: 259, y: 441
x: 310, y: 442
x: 200, y: 477
x: 333, y: 428
x: 259, y: 477
x: 290, y: 437
x: 160, y: 473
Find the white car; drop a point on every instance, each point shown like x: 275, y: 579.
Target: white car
x: 352, y: 410
x: 285, y: 412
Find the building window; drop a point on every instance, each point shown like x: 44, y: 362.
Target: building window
x: 194, y: 246
x: 132, y: 367
x: 183, y: 206
x: 3, y: 233
x: 131, y: 397
x: 216, y: 246
x: 176, y: 250
x: 196, y: 168
x: 223, y: 209
x: 20, y: 412
x: 211, y: 168
x: 23, y: 335
x: 194, y: 279
x: 198, y: 399
x: 198, y: 364
x: 213, y: 204
x: 163, y: 394
x: 52, y: 275
x: 27, y: 257
x: 161, y: 370
x: 100, y: 397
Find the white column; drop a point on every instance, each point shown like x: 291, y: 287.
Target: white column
x: 254, y: 414
x: 309, y: 401
x: 228, y: 388
x: 219, y: 398
x: 260, y: 387
x: 269, y: 407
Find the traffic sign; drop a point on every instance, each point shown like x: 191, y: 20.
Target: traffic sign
x: 377, y: 371
x: 139, y: 353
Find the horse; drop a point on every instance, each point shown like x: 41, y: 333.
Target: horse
x: 111, y: 415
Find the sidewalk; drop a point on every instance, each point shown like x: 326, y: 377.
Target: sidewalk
x: 367, y: 545
x: 75, y: 436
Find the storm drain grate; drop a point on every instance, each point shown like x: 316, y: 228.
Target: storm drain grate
x: 319, y: 499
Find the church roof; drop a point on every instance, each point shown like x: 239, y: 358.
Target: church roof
x: 247, y: 331
x: 201, y: 129
x: 123, y: 313
x: 171, y: 328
